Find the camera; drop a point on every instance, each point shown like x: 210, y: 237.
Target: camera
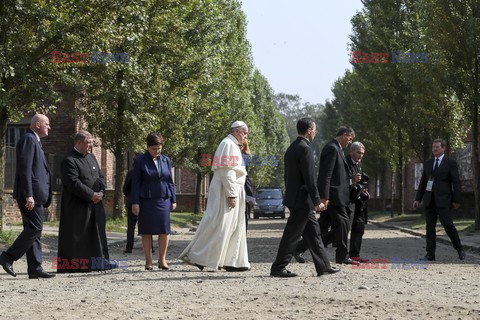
x: 358, y: 191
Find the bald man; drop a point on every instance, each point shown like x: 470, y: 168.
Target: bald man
x: 33, y: 193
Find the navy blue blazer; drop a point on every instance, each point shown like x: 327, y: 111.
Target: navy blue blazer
x: 147, y: 183
x: 32, y: 175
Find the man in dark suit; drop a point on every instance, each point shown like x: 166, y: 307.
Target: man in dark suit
x: 301, y: 197
x: 440, y: 190
x: 333, y: 186
x: 359, y: 195
x: 33, y: 193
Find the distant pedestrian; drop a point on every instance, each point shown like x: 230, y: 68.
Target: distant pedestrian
x: 439, y: 189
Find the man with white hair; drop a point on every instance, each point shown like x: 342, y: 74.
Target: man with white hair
x: 33, y: 193
x: 221, y: 237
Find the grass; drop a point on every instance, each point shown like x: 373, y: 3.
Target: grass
x: 417, y: 222
x: 184, y: 219
x: 177, y: 220
x: 7, y: 237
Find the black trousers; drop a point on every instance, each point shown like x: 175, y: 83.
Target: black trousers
x: 431, y: 214
x: 325, y: 223
x: 339, y: 232
x: 247, y: 214
x: 28, y: 241
x: 302, y: 222
x: 131, y: 223
x: 356, y: 233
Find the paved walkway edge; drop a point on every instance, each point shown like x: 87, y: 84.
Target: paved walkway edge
x: 441, y: 239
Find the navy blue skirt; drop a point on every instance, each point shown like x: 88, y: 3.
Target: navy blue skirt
x: 154, y: 216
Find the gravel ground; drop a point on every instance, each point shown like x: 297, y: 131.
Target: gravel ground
x: 445, y: 289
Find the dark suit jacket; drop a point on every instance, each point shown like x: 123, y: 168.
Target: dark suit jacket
x: 248, y: 184
x: 146, y: 182
x: 446, y: 183
x: 333, y: 180
x: 352, y: 171
x: 32, y: 175
x: 301, y: 190
x: 127, y: 188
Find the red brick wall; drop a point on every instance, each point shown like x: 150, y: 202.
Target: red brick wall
x: 12, y: 213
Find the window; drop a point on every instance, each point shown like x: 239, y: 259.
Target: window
x: 14, y: 133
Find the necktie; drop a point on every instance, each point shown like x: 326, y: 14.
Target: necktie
x: 436, y: 165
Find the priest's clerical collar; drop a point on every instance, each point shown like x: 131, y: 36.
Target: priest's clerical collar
x: 79, y: 152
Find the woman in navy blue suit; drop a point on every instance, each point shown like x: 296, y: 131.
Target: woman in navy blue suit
x: 153, y: 196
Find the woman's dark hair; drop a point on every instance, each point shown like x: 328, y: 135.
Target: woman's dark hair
x: 154, y: 139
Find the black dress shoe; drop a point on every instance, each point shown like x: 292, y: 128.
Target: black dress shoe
x: 299, y: 257
x: 7, y: 267
x: 199, y: 267
x: 429, y: 257
x: 127, y: 251
x: 461, y: 254
x: 284, y: 273
x: 234, y: 269
x: 330, y: 270
x: 349, y: 261
x: 41, y: 274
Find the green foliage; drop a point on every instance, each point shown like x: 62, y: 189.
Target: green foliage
x: 184, y: 219
x: 293, y: 109
x: 7, y: 237
x: 269, y: 138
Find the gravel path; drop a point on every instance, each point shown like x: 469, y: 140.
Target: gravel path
x: 446, y: 289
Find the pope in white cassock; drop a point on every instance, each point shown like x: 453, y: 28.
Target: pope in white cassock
x: 221, y: 237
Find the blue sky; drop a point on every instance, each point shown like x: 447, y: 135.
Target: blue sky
x: 301, y: 46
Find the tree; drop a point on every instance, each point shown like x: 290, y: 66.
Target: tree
x: 29, y: 31
x: 272, y: 138
x: 453, y: 30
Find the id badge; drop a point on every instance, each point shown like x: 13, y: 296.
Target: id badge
x: 429, y: 185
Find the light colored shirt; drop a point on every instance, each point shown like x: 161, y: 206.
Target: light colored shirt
x: 439, y: 160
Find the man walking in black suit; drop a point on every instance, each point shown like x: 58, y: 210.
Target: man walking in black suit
x: 32, y: 191
x: 440, y: 190
x: 301, y: 197
x: 333, y: 186
x: 359, y: 195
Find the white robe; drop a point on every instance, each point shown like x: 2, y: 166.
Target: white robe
x: 221, y: 237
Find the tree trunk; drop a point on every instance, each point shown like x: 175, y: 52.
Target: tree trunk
x: 119, y: 152
x: 475, y: 146
x: 3, y: 134
x: 392, y: 195
x: 382, y: 187
x: 475, y: 167
x: 401, y: 176
x: 198, y: 194
x: 120, y: 173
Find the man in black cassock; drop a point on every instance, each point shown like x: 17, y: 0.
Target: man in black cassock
x: 82, y: 241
